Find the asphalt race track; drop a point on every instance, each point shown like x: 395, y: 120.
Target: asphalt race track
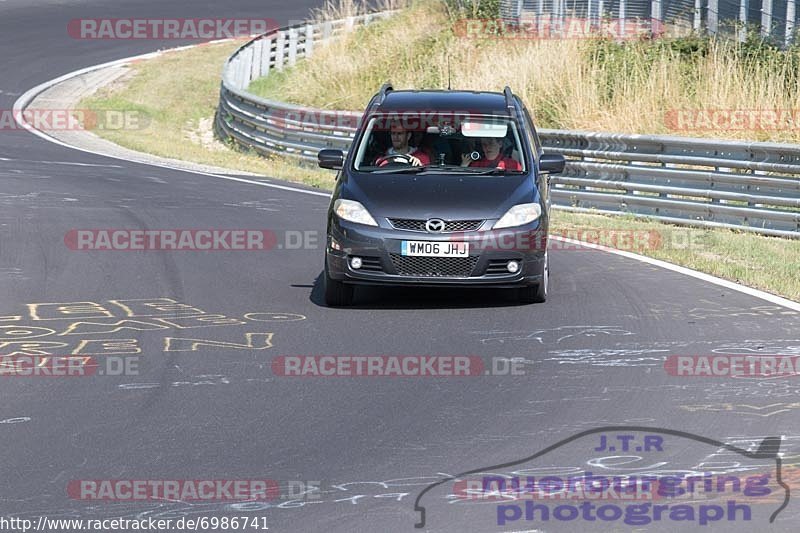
x: 206, y: 326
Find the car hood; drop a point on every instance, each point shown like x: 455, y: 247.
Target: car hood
x: 450, y: 197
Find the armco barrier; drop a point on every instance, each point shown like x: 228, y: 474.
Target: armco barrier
x: 700, y: 182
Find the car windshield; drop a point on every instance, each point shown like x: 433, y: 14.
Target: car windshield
x: 425, y: 142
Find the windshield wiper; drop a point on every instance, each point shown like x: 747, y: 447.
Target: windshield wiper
x: 495, y: 171
x: 473, y: 171
x: 400, y: 170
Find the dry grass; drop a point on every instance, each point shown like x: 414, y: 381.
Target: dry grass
x: 340, y: 9
x: 571, y: 84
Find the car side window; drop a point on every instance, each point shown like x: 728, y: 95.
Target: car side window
x: 532, y: 136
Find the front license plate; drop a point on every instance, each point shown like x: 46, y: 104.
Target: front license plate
x: 435, y: 249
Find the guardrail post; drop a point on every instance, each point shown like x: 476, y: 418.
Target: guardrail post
x: 255, y: 64
x: 266, y: 53
x: 621, y: 16
x: 712, y: 17
x: 349, y: 22
x: 698, y: 15
x: 239, y: 72
x: 655, y: 11
x: 280, y: 46
x: 557, y: 9
x: 790, y: 20
x: 309, y: 45
x: 766, y: 18
x: 292, y: 47
x: 326, y: 29
x: 540, y: 18
x: 600, y: 11
x: 231, y: 72
x: 247, y: 66
x: 744, y: 5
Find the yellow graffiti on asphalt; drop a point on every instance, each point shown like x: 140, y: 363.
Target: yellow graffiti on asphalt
x: 84, y: 319
x: 107, y: 347
x: 255, y: 341
x: 96, y: 328
x: 142, y: 307
x: 12, y: 333
x: 31, y: 348
x: 68, y: 310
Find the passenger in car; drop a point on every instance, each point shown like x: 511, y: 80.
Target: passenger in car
x: 400, y: 139
x: 493, y: 158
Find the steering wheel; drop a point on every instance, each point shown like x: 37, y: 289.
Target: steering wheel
x: 404, y: 159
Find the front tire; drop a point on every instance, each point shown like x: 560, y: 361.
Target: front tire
x: 337, y: 294
x: 537, y: 294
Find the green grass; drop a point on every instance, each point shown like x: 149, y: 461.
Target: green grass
x: 178, y: 94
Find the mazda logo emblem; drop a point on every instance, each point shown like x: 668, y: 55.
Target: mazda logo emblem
x: 434, y: 225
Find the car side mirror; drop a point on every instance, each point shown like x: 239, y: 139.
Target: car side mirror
x: 552, y: 163
x: 330, y: 158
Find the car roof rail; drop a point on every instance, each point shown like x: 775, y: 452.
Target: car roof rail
x: 509, y: 99
x: 378, y: 99
x: 386, y: 88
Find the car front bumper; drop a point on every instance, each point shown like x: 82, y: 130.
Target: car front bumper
x: 383, y: 263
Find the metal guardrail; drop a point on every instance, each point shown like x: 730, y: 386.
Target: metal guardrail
x: 699, y: 182
x: 776, y: 20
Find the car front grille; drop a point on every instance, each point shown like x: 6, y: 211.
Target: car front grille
x: 450, y: 226
x: 435, y: 267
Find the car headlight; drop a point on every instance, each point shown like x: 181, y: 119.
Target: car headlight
x: 519, y: 215
x: 353, y: 211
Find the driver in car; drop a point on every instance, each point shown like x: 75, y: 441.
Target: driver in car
x: 492, y: 156
x: 400, y: 139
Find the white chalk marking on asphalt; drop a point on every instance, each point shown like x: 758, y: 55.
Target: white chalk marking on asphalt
x: 16, y: 420
x: 23, y: 101
x: 68, y: 163
x: 689, y: 272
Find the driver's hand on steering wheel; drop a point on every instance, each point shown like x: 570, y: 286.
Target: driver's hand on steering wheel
x: 415, y: 162
x: 402, y: 158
